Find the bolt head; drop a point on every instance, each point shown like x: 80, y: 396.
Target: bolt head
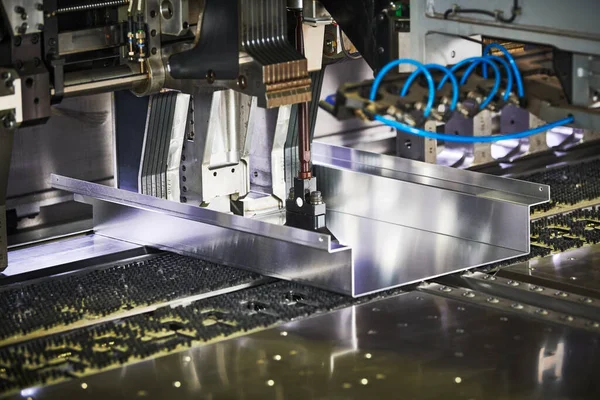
x: 316, y: 198
x: 23, y: 28
x: 242, y: 82
x: 210, y: 76
x: 9, y: 122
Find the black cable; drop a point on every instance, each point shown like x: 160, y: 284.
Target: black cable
x: 514, y: 12
x: 496, y: 15
x: 468, y: 11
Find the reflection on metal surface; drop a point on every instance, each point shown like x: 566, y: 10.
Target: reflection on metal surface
x: 551, y: 361
x: 262, y: 247
x: 387, y: 254
x: 510, y: 305
x: 58, y: 145
x: 572, y: 271
x: 408, y: 221
x: 62, y: 252
x: 537, y: 295
x: 415, y: 345
x: 404, y: 221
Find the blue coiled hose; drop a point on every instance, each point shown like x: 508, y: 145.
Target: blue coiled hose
x: 466, y: 61
x: 513, y: 64
x: 449, y: 74
x: 509, y: 73
x: 420, y: 67
x: 471, y: 139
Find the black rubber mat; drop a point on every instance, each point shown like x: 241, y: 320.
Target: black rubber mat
x: 567, y: 231
x: 92, y: 294
x: 569, y: 185
x: 87, y: 350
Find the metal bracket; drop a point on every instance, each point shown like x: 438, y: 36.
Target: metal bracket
x: 175, y: 17
x: 24, y: 16
x: 163, y: 143
x: 216, y: 55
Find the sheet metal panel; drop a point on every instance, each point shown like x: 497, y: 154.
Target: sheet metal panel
x: 412, y: 346
x: 398, y: 221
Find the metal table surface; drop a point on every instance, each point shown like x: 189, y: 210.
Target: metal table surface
x: 570, y: 271
x: 64, y: 251
x: 411, y: 346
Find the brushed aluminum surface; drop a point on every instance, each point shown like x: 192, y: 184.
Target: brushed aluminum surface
x: 263, y: 247
x: 63, y: 251
x: 399, y: 222
x: 411, y: 346
x: 408, y: 221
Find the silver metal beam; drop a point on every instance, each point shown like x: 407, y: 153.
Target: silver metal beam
x: 259, y: 246
x: 406, y: 220
x: 399, y: 222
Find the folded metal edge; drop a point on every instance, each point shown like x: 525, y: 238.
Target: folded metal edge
x: 452, y: 179
x: 251, y: 251
x: 266, y: 248
x: 229, y: 221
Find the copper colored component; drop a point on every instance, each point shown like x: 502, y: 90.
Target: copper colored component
x: 303, y: 121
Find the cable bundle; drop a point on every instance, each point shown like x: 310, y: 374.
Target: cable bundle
x: 512, y: 74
